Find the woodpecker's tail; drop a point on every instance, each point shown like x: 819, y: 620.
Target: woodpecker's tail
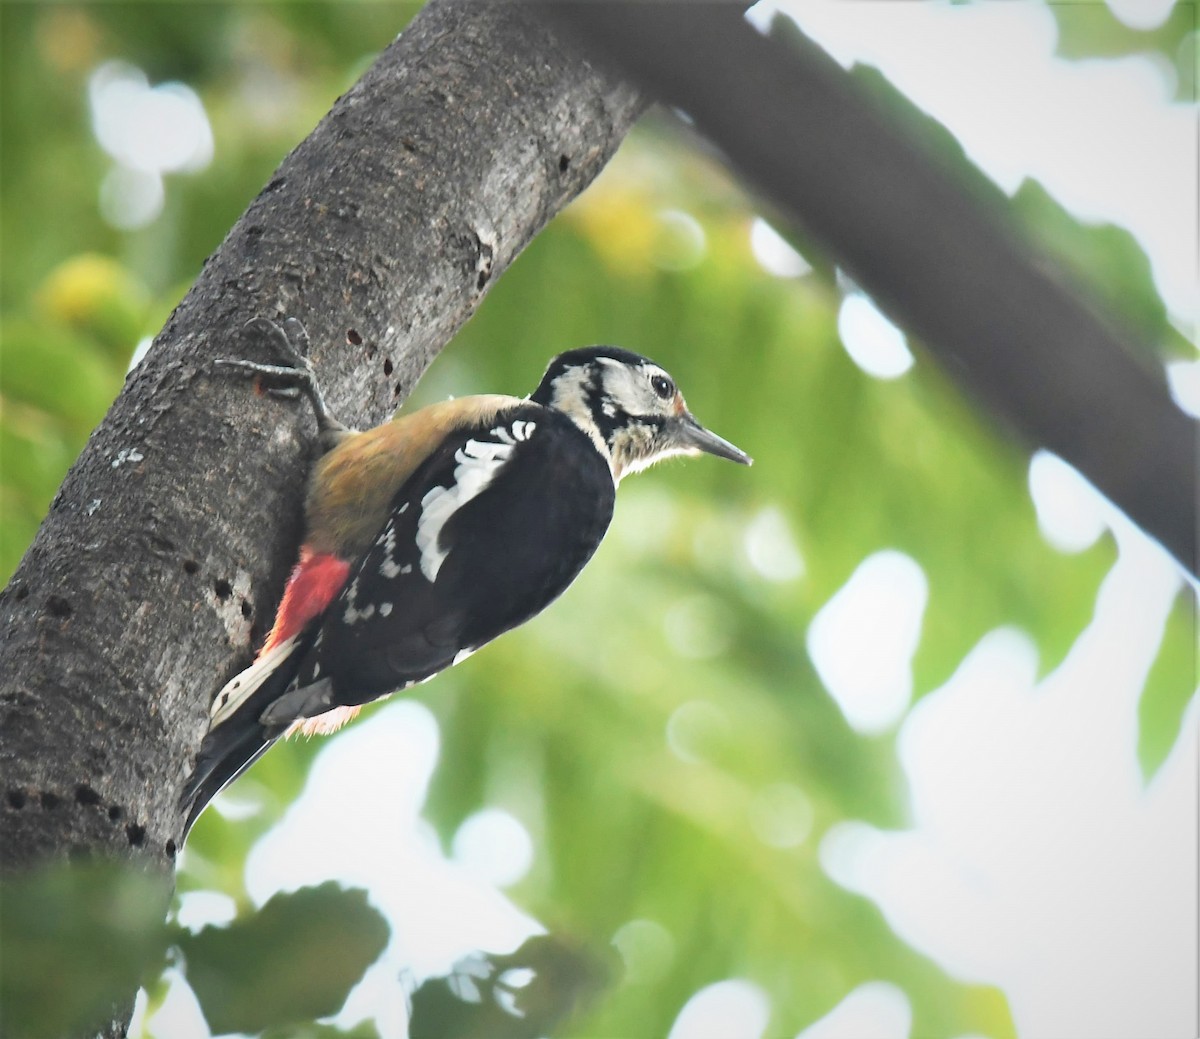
x: 241, y: 728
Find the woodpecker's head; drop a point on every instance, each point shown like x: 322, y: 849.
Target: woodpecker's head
x: 629, y: 406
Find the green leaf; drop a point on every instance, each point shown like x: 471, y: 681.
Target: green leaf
x: 318, y: 1030
x: 98, y: 296
x: 292, y: 961
x: 523, y: 995
x: 1170, y: 685
x: 1109, y: 261
x: 1088, y: 31
x: 58, y: 371
x: 76, y: 939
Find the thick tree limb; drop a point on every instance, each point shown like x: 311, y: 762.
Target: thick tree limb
x: 167, y: 546
x: 945, y: 265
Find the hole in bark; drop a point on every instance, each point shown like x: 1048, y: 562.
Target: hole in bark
x: 387, y: 366
x: 353, y: 338
x: 115, y: 812
x: 190, y: 566
x: 222, y: 588
x: 50, y: 801
x: 58, y: 607
x: 564, y: 163
x: 170, y: 849
x: 22, y: 593
x: 85, y: 795
x: 136, y: 834
x: 396, y: 390
x: 247, y: 609
x: 16, y: 799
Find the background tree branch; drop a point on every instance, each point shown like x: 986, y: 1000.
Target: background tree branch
x: 166, y: 548
x: 944, y: 263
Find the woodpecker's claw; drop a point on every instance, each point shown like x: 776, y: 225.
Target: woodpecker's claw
x: 290, y: 338
x: 297, y: 377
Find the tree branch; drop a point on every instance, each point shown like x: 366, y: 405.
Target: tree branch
x: 167, y: 546
x: 944, y: 264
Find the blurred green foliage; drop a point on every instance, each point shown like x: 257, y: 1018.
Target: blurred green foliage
x: 522, y: 995
x: 564, y: 723
x: 331, y: 937
x: 77, y: 939
x: 1093, y: 31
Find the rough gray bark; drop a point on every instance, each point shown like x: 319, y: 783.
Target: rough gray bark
x: 998, y: 317
x: 167, y: 546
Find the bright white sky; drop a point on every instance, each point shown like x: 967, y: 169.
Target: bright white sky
x: 1036, y: 860
x: 1101, y: 136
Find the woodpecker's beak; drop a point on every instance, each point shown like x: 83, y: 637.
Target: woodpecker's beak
x: 692, y: 436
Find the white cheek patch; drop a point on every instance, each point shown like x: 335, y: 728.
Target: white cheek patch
x: 478, y: 463
x: 570, y: 397
x: 629, y: 388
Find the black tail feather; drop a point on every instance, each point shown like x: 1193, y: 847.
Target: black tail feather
x: 224, y: 755
x: 242, y: 737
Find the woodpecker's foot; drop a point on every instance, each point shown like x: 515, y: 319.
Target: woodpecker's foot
x: 293, y: 378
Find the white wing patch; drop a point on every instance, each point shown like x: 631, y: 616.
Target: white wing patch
x: 389, y: 568
x: 478, y: 463
x: 353, y: 614
x: 242, y: 685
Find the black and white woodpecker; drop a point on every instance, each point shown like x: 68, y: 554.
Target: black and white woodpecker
x: 435, y: 532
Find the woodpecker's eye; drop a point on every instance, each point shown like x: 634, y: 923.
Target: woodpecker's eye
x: 663, y: 386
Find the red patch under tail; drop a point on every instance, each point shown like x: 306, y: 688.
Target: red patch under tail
x: 315, y: 582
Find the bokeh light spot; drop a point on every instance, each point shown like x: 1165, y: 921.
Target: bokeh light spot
x: 698, y: 627
x: 877, y: 1009
x: 1184, y: 379
x: 200, y: 909
x: 1070, y: 511
x: 131, y: 198
x: 1143, y: 15
x: 872, y: 341
x: 494, y: 846
x: 781, y: 815
x: 774, y: 253
x: 731, y: 1009
x: 680, y: 243
x: 647, y: 950
x: 770, y: 547
x: 695, y: 730
x: 153, y: 129
x: 147, y: 131
x: 863, y: 639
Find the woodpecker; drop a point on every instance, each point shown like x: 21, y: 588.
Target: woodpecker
x: 435, y: 532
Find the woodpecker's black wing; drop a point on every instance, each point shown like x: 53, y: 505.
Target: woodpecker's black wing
x: 487, y: 532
